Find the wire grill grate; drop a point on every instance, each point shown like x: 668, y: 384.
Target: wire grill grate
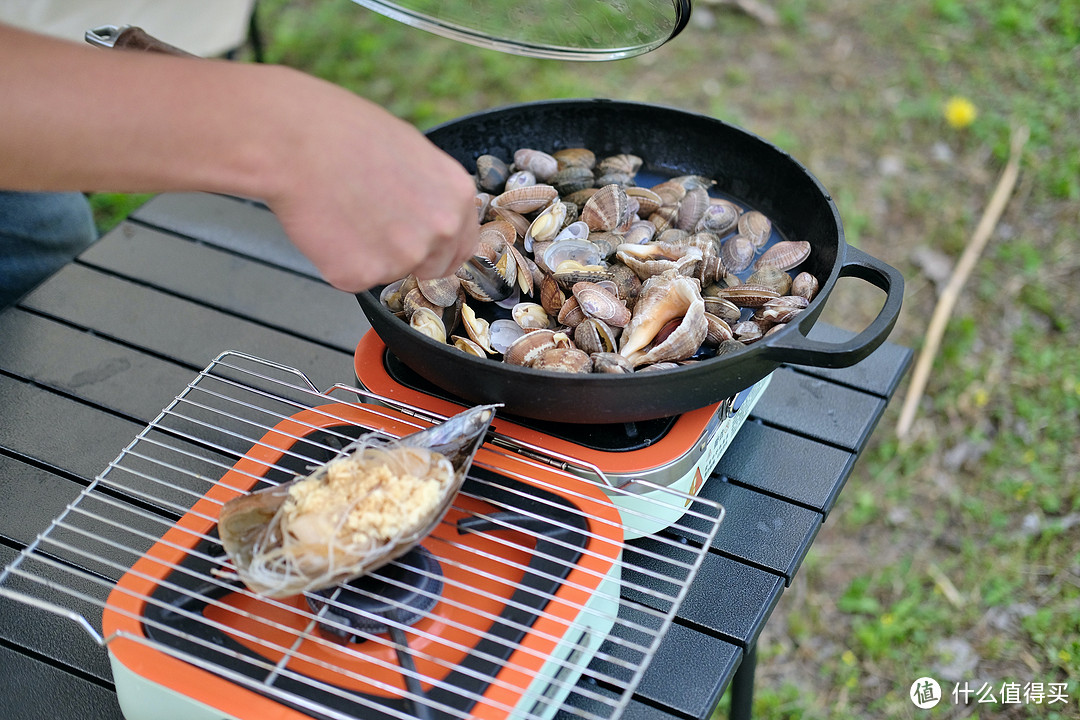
x: 536, y: 604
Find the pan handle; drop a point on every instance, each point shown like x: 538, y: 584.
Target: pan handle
x: 801, y: 350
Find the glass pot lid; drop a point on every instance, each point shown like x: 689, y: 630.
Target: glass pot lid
x: 553, y: 29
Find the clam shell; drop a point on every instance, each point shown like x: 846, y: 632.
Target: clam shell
x: 538, y: 162
x: 752, y: 296
x: 531, y: 316
x: 724, y: 309
x: 648, y: 201
x: 503, y: 333
x: 805, y: 285
x: 607, y: 209
x: 478, y: 328
x: 755, y: 227
x: 552, y: 295
x: 622, y: 163
x: 718, y: 330
x: 281, y: 547
x: 440, y: 291
x: 530, y: 346
x: 785, y: 254
x: 640, y: 232
x: 570, y: 179
x: 692, y: 208
x: 600, y: 303
x: 721, y: 217
x: 571, y: 250
x: 575, y: 157
x: 771, y: 277
x: 737, y: 252
x: 656, y: 258
x: 611, y: 363
x: 546, y: 226
x: 595, y: 336
x: 564, y: 360
x: 527, y: 199
x: 570, y: 314
x: 466, y: 345
x: 491, y: 173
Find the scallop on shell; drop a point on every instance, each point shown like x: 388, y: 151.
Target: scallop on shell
x: 361, y: 510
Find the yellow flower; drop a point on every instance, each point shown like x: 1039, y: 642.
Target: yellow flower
x: 960, y: 112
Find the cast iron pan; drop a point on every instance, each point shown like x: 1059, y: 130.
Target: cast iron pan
x: 672, y: 142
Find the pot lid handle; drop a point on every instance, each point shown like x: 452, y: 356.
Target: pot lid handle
x: 552, y: 29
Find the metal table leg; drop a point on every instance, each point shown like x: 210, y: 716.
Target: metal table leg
x: 742, y: 686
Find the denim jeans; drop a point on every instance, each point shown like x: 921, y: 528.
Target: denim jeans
x: 39, y: 234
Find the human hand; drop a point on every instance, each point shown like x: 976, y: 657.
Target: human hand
x: 364, y: 195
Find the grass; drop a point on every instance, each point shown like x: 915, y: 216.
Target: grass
x: 955, y: 554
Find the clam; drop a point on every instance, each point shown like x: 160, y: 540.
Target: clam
x: 478, y: 328
x: 785, y: 254
x: 519, y: 179
x: 718, y: 330
x: 648, y: 201
x: 755, y: 227
x: 582, y: 252
x: 771, y: 277
x: 373, y: 503
x: 575, y: 157
x: 467, y: 345
x: 564, y: 360
x: 538, y: 162
x: 546, y: 226
x: 599, y: 302
x: 572, y: 178
x: 570, y: 314
x: 425, y: 321
x: 748, y: 296
x: 607, y: 209
x: 737, y: 252
x: 639, y: 232
x: 595, y: 336
x: 503, y: 333
x: 724, y: 309
x: 491, y: 173
x: 392, y: 297
x: 440, y: 291
x: 720, y: 217
x: 530, y: 346
x: 611, y: 362
x: 531, y: 316
x: 692, y: 208
x: 526, y: 199
x: 804, y: 285
x: 570, y: 271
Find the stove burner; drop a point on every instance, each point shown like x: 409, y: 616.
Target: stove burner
x: 399, y: 593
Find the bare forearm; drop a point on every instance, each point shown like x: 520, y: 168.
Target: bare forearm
x: 363, y: 194
x: 79, y: 118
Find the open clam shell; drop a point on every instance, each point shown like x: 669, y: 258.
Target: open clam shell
x: 366, y: 507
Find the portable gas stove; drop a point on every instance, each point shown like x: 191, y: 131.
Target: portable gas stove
x: 655, y: 464
x: 525, y: 584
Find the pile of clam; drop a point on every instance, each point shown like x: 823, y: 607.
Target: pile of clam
x: 580, y: 269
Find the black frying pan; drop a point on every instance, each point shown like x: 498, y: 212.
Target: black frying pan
x: 672, y: 142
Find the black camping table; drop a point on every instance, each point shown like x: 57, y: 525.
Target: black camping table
x: 93, y: 354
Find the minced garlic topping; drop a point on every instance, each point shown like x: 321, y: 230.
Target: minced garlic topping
x: 370, y: 499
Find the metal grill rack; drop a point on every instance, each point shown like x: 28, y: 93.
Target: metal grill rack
x: 544, y: 606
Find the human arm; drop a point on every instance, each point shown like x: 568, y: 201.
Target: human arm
x: 363, y: 194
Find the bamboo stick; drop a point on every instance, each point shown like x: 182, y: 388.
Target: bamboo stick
x: 951, y: 293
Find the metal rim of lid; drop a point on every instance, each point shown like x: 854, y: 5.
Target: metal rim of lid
x: 413, y: 17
